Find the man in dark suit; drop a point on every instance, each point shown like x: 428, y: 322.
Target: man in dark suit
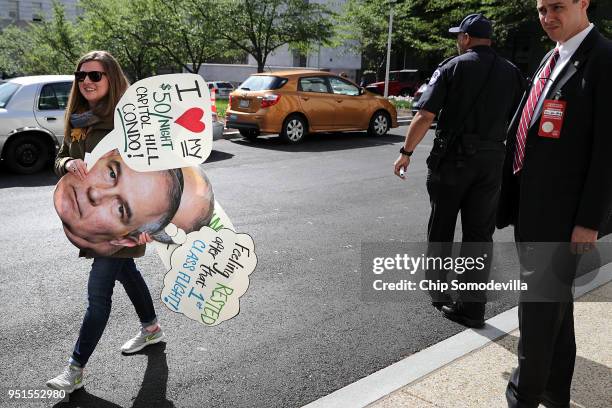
x: 557, y: 188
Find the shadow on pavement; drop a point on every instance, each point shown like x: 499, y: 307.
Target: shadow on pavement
x: 322, y: 142
x: 45, y: 177
x: 152, y: 392
x: 591, y: 382
x: 216, y: 155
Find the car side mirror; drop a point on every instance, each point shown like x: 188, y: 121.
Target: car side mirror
x: 361, y: 90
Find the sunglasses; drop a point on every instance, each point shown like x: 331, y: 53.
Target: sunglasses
x: 94, y: 76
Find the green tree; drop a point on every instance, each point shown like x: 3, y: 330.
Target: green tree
x: 115, y: 26
x: 62, y: 37
x: 178, y: 32
x: 48, y: 47
x: 418, y: 25
x: 260, y: 27
x: 15, y: 43
x: 422, y: 25
x: 365, y: 25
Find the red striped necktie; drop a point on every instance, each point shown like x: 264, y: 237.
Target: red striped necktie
x: 529, y: 109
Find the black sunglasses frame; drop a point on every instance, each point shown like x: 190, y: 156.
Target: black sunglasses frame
x: 94, y: 76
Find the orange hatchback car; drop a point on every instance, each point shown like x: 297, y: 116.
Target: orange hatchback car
x: 295, y: 103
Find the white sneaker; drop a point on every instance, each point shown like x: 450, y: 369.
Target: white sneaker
x: 142, y: 340
x: 71, y: 379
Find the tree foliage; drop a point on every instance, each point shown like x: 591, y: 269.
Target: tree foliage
x: 149, y: 36
x: 50, y: 47
x: 365, y: 24
x: 422, y: 25
x: 178, y: 33
x: 260, y: 27
x: 153, y: 36
x: 115, y: 26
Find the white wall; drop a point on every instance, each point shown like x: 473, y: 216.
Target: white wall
x: 26, y: 9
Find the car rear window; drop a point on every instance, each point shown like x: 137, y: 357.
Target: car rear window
x: 7, y: 89
x: 262, y: 83
x: 224, y: 85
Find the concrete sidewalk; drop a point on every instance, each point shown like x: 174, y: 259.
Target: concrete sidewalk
x: 479, y: 378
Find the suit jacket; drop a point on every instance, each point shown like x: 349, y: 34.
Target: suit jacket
x: 566, y: 181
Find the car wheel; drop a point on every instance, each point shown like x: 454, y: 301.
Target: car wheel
x: 294, y: 129
x: 379, y: 124
x: 249, y: 134
x: 26, y: 154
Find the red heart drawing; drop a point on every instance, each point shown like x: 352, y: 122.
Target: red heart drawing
x: 191, y: 120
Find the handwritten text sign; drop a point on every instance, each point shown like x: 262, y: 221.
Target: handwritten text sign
x: 162, y: 122
x: 210, y: 271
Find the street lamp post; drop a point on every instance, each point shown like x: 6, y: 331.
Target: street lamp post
x: 391, y: 3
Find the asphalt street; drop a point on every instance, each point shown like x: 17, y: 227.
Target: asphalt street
x: 304, y: 329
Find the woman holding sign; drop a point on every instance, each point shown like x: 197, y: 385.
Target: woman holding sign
x: 98, y: 86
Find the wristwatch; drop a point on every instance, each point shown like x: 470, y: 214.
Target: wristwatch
x: 406, y: 153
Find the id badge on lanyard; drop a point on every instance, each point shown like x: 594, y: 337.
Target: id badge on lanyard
x: 551, y: 121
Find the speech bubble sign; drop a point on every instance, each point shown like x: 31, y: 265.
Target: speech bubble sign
x: 210, y: 272
x: 219, y: 220
x: 162, y: 122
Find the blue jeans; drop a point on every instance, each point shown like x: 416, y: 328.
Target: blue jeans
x: 104, y: 273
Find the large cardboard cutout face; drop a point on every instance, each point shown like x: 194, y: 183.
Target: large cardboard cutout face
x: 144, y: 176
x: 114, y: 201
x: 113, y: 204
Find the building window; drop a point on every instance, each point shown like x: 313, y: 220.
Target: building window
x: 299, y: 59
x: 37, y: 11
x: 13, y: 9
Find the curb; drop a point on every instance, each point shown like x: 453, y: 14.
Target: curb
x: 230, y: 134
x: 382, y: 383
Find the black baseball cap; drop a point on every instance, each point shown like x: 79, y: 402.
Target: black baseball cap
x: 475, y: 25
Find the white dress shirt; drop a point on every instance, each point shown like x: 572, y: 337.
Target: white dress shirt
x: 566, y: 50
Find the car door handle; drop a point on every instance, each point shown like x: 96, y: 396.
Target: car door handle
x: 50, y: 118
x: 339, y: 100
x: 305, y: 98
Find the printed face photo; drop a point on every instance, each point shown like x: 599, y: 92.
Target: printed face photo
x: 197, y: 202
x: 112, y: 202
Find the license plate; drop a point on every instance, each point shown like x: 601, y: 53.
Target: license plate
x: 233, y: 117
x: 244, y: 103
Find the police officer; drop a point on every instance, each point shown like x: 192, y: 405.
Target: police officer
x: 474, y: 95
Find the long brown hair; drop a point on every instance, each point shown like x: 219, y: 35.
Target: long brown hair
x: 117, y: 85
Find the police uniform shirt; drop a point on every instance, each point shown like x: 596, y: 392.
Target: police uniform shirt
x: 456, y: 84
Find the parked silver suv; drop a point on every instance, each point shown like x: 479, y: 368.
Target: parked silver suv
x: 32, y: 120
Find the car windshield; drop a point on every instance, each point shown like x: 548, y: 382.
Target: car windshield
x: 7, y: 89
x: 262, y: 83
